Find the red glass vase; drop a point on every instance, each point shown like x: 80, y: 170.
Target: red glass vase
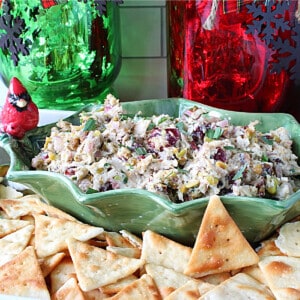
x: 237, y: 55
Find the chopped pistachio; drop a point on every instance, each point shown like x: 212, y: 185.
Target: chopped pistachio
x: 221, y: 164
x: 212, y: 180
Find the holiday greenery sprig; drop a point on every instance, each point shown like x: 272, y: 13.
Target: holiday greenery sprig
x: 13, y: 27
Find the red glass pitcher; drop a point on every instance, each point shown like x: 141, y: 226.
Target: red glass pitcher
x: 234, y: 54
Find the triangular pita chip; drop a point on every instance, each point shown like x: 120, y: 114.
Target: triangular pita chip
x: 268, y: 248
x: 220, y: 246
x: 167, y: 280
x: 288, y: 240
x: 61, y: 274
x: 22, y: 276
x: 14, y: 243
x: 8, y: 226
x: 18, y: 208
x: 51, y: 234
x: 129, y: 252
x: 191, y: 290
x: 143, y: 288
x: 160, y: 250
x: 240, y: 286
x: 48, y: 263
x: 69, y: 291
x: 255, y: 272
x: 54, y: 212
x: 7, y: 192
x: 216, y: 278
x: 282, y: 274
x: 116, y: 287
x: 115, y: 239
x: 132, y: 238
x: 95, y: 294
x: 96, y: 267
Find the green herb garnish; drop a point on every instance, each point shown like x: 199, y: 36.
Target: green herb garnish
x: 180, y: 127
x: 229, y: 148
x: 151, y: 126
x: 141, y: 151
x: 91, y: 191
x: 182, y: 171
x: 267, y: 140
x: 214, y: 133
x: 162, y: 119
x: 239, y: 173
x: 124, y: 117
x: 90, y: 125
x: 125, y: 179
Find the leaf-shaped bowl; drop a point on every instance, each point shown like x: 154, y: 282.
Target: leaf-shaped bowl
x: 137, y: 210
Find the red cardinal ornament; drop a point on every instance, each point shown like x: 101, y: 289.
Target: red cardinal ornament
x: 19, y: 113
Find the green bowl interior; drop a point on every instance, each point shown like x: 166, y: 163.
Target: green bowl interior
x: 137, y: 210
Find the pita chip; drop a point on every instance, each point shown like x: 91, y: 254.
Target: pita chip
x: 220, y: 246
x: 51, y: 234
x: 288, y: 240
x: 96, y: 267
x: 268, y: 248
x: 160, y: 250
x: 282, y: 273
x: 7, y: 192
x: 129, y: 252
x: 54, y: 212
x: 14, y: 243
x: 132, y: 238
x: 216, y: 278
x: 69, y: 291
x: 115, y: 239
x: 192, y: 290
x: 48, y: 263
x: 23, y: 273
x: 116, y: 287
x: 143, y: 288
x: 61, y: 274
x: 167, y: 280
x: 18, y: 208
x: 8, y: 226
x: 95, y: 294
x: 255, y: 272
x: 240, y: 286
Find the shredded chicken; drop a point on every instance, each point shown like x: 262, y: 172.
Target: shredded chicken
x: 195, y: 155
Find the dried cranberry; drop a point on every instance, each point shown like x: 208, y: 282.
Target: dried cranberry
x: 106, y: 187
x: 267, y: 169
x: 198, y: 135
x: 172, y: 136
x: 193, y: 145
x: 154, y: 132
x: 45, y: 155
x: 261, y: 187
x: 220, y: 155
x: 70, y: 171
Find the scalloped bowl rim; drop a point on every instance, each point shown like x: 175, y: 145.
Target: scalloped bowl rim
x: 176, y: 208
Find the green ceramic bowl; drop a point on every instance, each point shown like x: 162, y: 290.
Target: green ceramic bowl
x: 137, y: 210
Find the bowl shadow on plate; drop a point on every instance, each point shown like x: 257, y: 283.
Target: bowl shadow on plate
x: 137, y: 210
